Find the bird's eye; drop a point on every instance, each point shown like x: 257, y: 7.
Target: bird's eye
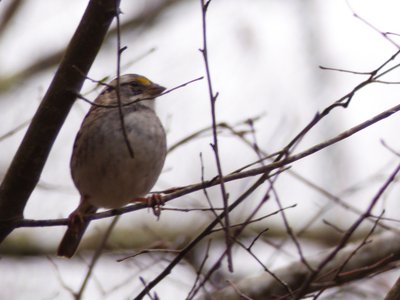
x: 136, y: 88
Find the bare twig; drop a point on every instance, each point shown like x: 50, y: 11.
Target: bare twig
x: 273, y: 275
x: 146, y: 251
x: 58, y: 275
x: 213, y: 98
x: 197, y: 239
x: 14, y: 130
x: 117, y: 90
x: 343, y: 101
x: 247, y: 222
x: 378, y: 255
x: 92, y: 103
x: 181, y: 191
x: 386, y: 35
x: 309, y: 183
x: 148, y: 293
x: 237, y: 233
x: 363, y: 242
x: 206, y: 192
x: 207, y: 129
x: 238, y: 291
x: 95, y: 258
x: 199, y: 271
x: 303, y: 289
x: 182, y: 85
x: 290, y: 231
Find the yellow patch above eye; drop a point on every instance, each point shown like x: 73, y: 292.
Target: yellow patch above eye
x: 143, y: 80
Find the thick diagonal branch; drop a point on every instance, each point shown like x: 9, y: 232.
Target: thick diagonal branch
x: 28, y: 163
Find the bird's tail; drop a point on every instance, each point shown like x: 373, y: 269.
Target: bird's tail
x: 76, y: 229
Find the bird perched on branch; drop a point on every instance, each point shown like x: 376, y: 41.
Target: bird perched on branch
x: 118, y: 152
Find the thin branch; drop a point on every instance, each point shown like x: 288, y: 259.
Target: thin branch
x: 191, y: 293
x: 92, y: 103
x: 290, y: 231
x: 238, y: 232
x: 205, y: 192
x: 272, y: 274
x: 146, y: 251
x: 213, y: 99
x: 58, y: 276
x: 167, y: 270
x: 247, y: 222
x: 363, y: 242
x: 221, y: 125
x: 181, y: 191
x: 344, y: 71
x: 238, y: 291
x: 306, y: 284
x: 380, y: 254
x: 118, y: 88
x: 342, y: 102
x: 384, y: 34
x: 14, y: 130
x: 95, y: 258
x: 148, y: 293
x: 183, y: 85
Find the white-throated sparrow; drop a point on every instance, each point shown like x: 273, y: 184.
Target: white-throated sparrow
x: 103, y: 169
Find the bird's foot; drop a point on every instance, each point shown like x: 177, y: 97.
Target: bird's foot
x: 155, y: 201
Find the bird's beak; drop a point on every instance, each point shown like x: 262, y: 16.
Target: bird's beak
x: 155, y: 89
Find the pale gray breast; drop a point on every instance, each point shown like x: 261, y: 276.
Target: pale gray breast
x: 103, y: 169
